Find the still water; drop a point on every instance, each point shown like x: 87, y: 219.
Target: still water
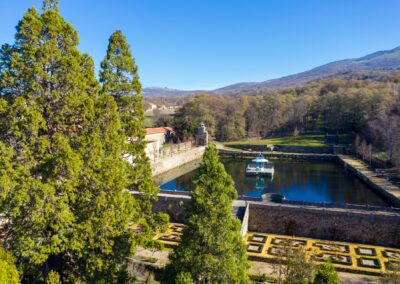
x: 308, y: 180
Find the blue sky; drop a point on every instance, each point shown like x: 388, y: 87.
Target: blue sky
x: 193, y: 44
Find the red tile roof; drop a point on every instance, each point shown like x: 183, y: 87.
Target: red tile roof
x: 158, y: 130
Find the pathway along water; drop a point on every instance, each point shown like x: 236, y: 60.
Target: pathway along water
x: 302, y: 180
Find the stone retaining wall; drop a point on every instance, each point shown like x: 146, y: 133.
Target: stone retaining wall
x: 383, y: 187
x: 378, y: 228
x: 292, y: 148
x: 245, y: 222
x: 239, y: 154
x: 179, y: 159
x: 337, y: 224
x: 173, y: 205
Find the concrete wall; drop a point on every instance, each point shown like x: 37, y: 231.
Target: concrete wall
x: 379, y: 228
x: 179, y: 159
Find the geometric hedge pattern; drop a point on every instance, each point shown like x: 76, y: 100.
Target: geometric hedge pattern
x: 348, y: 256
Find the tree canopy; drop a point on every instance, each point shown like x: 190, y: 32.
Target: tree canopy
x: 212, y: 249
x: 119, y: 78
x: 64, y: 174
x: 8, y: 271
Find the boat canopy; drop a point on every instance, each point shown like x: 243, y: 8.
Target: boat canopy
x: 260, y: 159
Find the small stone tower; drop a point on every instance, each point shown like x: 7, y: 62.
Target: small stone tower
x: 201, y: 135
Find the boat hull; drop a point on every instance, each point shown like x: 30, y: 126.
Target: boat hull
x: 268, y: 172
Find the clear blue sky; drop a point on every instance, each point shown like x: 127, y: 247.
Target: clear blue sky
x: 193, y: 44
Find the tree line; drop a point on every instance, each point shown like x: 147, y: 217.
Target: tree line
x: 369, y: 108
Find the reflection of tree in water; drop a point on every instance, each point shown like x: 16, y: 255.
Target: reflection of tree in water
x: 236, y: 168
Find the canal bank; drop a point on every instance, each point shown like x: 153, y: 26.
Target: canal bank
x: 379, y: 184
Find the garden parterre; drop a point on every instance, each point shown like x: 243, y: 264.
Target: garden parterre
x: 349, y: 257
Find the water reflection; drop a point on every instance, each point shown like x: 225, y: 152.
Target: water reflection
x: 308, y: 180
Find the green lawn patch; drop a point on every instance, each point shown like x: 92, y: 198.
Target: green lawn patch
x: 314, y: 139
x: 302, y: 140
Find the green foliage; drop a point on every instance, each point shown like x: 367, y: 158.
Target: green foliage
x: 293, y: 265
x: 299, y: 269
x: 326, y: 274
x: 63, y: 169
x: 119, y: 79
x: 53, y: 278
x: 184, y: 278
x: 212, y: 249
x: 262, y: 278
x: 8, y: 270
x: 223, y: 117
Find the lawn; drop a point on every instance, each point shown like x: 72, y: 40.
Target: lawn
x: 315, y: 139
x: 301, y: 140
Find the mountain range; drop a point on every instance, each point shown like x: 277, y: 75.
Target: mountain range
x: 380, y: 60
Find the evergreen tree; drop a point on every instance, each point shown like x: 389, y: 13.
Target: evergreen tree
x: 119, y: 79
x: 8, y: 270
x: 212, y: 249
x: 326, y: 274
x: 62, y: 171
x: 299, y: 268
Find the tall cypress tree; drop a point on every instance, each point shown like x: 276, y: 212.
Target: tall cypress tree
x: 120, y: 79
x: 62, y: 171
x: 212, y: 249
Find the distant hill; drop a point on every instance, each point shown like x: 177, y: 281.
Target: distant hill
x: 166, y: 92
x: 381, y: 60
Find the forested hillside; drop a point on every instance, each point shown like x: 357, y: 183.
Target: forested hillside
x: 372, y: 65
x: 365, y: 107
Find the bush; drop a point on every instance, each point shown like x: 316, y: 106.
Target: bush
x: 326, y: 274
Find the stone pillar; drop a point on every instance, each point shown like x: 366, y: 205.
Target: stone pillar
x: 201, y: 135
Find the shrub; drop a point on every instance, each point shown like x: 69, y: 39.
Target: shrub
x: 326, y: 274
x: 8, y: 270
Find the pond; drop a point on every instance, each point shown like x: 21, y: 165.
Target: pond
x: 302, y: 180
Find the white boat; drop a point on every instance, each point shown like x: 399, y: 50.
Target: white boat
x: 260, y: 167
